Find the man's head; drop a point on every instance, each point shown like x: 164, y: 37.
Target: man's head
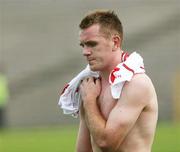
x: 101, y: 37
x: 108, y: 21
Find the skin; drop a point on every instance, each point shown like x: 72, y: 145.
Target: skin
x: 108, y: 125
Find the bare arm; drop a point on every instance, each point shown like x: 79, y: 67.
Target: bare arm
x: 110, y: 134
x: 83, y: 140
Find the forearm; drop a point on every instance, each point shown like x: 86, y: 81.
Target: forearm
x: 90, y: 89
x: 104, y: 135
x: 95, y: 121
x: 83, y: 143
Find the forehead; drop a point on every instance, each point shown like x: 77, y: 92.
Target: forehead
x: 90, y: 33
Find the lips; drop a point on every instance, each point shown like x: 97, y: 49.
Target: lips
x: 90, y: 59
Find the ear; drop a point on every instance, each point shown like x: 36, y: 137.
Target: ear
x: 116, y: 42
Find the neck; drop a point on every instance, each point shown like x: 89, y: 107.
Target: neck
x: 116, y: 59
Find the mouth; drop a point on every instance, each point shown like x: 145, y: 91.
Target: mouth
x: 91, y: 59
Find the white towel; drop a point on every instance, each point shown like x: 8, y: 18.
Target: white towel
x: 70, y: 99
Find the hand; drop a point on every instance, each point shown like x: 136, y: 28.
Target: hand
x: 90, y: 89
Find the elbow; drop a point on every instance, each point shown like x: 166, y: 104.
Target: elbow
x: 108, y: 142
x: 108, y: 146
x: 105, y: 143
x: 102, y: 143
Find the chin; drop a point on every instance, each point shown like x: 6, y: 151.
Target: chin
x: 93, y: 68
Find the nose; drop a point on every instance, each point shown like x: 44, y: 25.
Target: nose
x: 86, y: 51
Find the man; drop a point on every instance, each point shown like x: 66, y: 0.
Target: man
x: 126, y: 124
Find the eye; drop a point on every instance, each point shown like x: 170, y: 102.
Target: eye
x: 91, y: 43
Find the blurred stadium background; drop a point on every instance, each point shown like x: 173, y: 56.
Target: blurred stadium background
x: 40, y: 51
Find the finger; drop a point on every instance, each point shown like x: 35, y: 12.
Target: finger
x: 82, y: 83
x: 84, y: 80
x: 97, y: 81
x: 80, y: 86
x: 89, y: 79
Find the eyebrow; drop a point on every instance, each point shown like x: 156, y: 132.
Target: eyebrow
x: 88, y: 43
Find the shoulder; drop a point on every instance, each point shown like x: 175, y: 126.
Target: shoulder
x: 139, y: 88
x: 140, y: 82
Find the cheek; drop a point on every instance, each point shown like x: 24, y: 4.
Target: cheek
x: 104, y: 59
x: 102, y: 52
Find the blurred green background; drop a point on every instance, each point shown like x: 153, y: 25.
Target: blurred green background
x: 40, y: 53
x: 62, y: 139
